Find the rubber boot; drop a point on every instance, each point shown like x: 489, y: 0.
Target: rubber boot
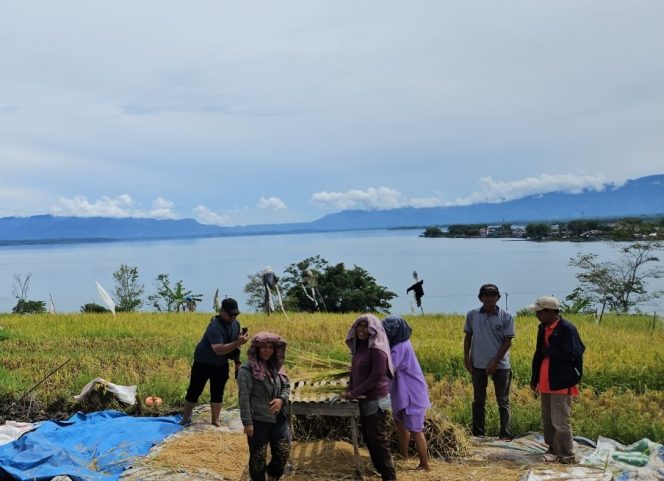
x: 215, y: 409
x: 186, y: 412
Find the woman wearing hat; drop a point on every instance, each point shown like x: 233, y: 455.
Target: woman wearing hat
x: 371, y: 366
x: 263, y: 392
x: 221, y: 342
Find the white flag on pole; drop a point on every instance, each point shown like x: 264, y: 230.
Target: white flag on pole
x: 106, y: 297
x: 51, y: 306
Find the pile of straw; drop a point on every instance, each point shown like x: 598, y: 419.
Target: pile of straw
x: 215, y: 454
x: 213, y: 451
x: 445, y: 439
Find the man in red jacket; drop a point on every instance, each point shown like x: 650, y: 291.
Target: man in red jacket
x: 556, y: 370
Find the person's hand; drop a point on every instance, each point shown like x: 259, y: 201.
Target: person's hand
x: 491, y: 368
x: 243, y: 338
x: 249, y: 430
x: 469, y: 364
x: 346, y: 395
x: 275, y: 406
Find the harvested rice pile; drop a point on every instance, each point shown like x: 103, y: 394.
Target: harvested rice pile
x: 213, y: 451
x: 225, y: 455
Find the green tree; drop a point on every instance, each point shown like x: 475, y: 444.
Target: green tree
x: 465, y: 230
x: 128, y: 290
x: 622, y: 285
x: 171, y: 299
x: 576, y: 302
x: 20, y: 288
x: 629, y: 229
x: 92, y: 308
x: 433, y: 231
x: 340, y: 289
x: 29, y: 307
x: 538, y: 231
x: 255, y: 291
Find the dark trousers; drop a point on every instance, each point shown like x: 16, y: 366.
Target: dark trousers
x: 278, y: 437
x: 374, y: 431
x: 200, y: 373
x: 502, y: 380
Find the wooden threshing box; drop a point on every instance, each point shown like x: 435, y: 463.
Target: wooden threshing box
x: 302, y: 404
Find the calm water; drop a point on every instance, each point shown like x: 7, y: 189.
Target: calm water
x: 452, y: 269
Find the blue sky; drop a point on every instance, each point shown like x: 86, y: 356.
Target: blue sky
x: 253, y: 112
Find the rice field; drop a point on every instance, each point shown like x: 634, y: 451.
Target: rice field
x: 622, y: 393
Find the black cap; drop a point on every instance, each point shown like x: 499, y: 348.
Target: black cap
x: 488, y: 289
x: 229, y: 306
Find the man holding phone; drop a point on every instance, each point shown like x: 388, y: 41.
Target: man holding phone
x: 220, y: 343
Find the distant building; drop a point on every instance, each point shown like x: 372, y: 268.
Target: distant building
x: 592, y: 234
x: 518, y: 230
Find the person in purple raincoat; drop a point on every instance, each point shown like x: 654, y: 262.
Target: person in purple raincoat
x: 408, y: 390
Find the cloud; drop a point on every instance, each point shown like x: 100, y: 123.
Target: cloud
x: 381, y: 198
x: 162, y: 209
x: 371, y: 198
x: 120, y: 206
x: 491, y: 191
x: 271, y: 203
x: 79, y: 206
x: 206, y: 216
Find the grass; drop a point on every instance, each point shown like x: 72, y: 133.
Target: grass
x: 622, y: 393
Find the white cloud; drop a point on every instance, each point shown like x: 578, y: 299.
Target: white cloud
x: 271, y: 203
x: 501, y: 191
x: 80, y: 206
x: 120, y: 206
x: 491, y: 191
x: 206, y: 216
x: 162, y: 209
x: 371, y: 198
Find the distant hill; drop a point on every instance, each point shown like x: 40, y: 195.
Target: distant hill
x: 643, y: 196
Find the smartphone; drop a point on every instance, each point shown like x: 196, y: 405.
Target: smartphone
x: 245, y: 330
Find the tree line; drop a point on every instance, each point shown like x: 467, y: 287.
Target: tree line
x: 336, y: 288
x: 624, y: 229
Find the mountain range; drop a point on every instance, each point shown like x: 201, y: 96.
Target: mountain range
x: 638, y: 197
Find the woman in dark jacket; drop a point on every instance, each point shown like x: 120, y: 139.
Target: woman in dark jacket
x: 370, y: 367
x: 263, y: 392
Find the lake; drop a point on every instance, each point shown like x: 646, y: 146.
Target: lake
x: 452, y: 269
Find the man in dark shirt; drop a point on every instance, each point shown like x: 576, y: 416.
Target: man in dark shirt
x: 220, y: 342
x: 556, y: 370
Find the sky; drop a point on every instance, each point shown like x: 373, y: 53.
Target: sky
x: 236, y: 113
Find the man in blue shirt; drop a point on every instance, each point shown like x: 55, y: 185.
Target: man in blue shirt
x: 489, y: 332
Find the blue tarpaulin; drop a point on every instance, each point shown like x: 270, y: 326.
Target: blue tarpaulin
x: 87, y: 447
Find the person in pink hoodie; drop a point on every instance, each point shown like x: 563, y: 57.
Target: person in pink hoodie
x: 408, y: 390
x: 371, y: 367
